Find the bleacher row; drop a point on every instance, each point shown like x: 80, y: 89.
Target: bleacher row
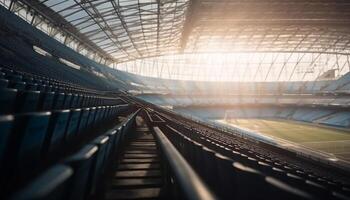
x: 238, y: 169
x: 39, y: 127
x: 22, y: 92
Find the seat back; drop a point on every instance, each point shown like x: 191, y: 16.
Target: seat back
x: 56, y: 130
x: 4, y: 83
x: 27, y: 101
x: 6, y: 124
x: 73, y: 123
x: 82, y: 164
x: 46, y: 100
x: 7, y: 100
x: 30, y: 130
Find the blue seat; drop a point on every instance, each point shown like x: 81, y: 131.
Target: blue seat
x: 17, y: 85
x: 53, y: 184
x: 98, y: 114
x: 4, y: 83
x: 92, y: 116
x: 112, y: 143
x: 55, y: 135
x: 67, y: 101
x: 46, y: 100
x: 27, y: 101
x: 83, y: 119
x: 14, y: 77
x: 7, y: 100
x: 58, y: 100
x: 32, y: 86
x: 100, y: 164
x: 2, y: 75
x: 29, y: 134
x: 74, y: 101
x: 6, y: 124
x: 82, y: 163
x: 73, y: 124
x: 80, y: 101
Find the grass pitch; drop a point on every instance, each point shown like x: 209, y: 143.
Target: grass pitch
x: 329, y: 140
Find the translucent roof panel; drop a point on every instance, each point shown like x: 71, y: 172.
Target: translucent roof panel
x: 126, y: 29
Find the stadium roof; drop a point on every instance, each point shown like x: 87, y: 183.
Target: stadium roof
x: 123, y: 30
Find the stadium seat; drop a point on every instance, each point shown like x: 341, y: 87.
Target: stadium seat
x: 83, y: 119
x: 92, y: 116
x: 74, y: 101
x: 27, y: 101
x: 32, y: 86
x: 4, y: 83
x: 58, y: 100
x: 102, y: 144
x: 14, y: 78
x: 82, y: 163
x: 28, y: 139
x: 55, y: 134
x: 67, y: 101
x: 54, y: 183
x: 17, y: 85
x: 46, y: 100
x: 73, y: 125
x: 7, y: 100
x: 6, y: 124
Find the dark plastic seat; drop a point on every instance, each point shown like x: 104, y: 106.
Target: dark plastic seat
x: 80, y: 101
x: 67, y: 101
x: 73, y: 125
x: 83, y: 119
x: 27, y: 101
x: 74, y: 101
x: 2, y: 75
x: 4, y: 83
x: 14, y: 77
x: 6, y: 124
x: 17, y: 85
x: 100, y: 164
x: 82, y: 163
x: 51, y: 184
x: 7, y: 100
x: 55, y: 134
x: 32, y: 86
x: 92, y: 116
x: 28, y: 139
x: 58, y: 100
x: 46, y: 100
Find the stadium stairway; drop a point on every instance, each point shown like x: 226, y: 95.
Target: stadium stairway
x: 139, y: 173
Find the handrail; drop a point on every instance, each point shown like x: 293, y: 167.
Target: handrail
x: 189, y: 182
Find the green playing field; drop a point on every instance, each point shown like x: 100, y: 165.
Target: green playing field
x: 329, y: 140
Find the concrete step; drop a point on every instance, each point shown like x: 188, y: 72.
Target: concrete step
x: 127, y: 194
x: 134, y: 155
x: 136, y: 182
x: 138, y: 174
x: 134, y: 166
x: 146, y: 160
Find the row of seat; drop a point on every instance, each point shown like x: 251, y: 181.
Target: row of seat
x: 14, y: 78
x: 80, y: 175
x: 263, y: 165
x: 19, y: 101
x: 28, y: 140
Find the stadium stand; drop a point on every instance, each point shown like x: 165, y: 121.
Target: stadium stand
x: 73, y: 128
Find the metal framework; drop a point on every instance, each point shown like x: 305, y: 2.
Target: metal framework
x: 118, y: 31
